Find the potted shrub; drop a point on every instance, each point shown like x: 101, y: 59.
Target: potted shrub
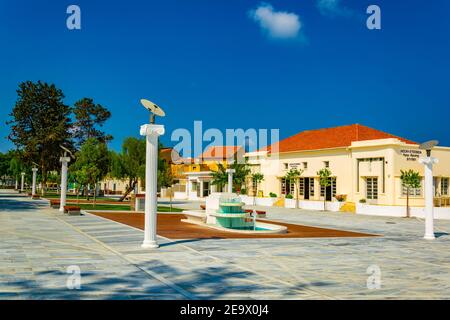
x: 341, y: 197
x: 362, y: 201
x: 289, y: 201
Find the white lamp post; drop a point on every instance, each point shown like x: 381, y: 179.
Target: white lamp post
x: 22, y: 181
x: 33, y: 189
x: 428, y: 162
x: 230, y: 179
x: 152, y: 132
x: 64, y: 161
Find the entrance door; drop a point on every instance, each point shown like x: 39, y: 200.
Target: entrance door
x: 306, y: 188
x: 328, y: 193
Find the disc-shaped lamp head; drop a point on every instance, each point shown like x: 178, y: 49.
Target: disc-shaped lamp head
x: 154, y: 109
x: 428, y: 146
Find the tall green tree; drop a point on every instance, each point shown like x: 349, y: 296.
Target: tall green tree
x: 295, y: 174
x: 165, y: 178
x: 411, y: 180
x: 92, y: 164
x: 40, y: 124
x: 325, y: 181
x: 129, y: 163
x: 89, y: 117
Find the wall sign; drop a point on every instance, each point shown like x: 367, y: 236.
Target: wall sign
x: 294, y: 165
x: 411, y: 155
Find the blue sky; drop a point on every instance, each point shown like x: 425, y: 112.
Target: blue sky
x: 316, y: 65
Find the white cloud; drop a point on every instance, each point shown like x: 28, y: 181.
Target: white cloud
x: 276, y: 24
x: 333, y: 8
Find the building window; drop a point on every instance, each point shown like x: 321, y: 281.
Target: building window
x: 413, y: 192
x: 301, y: 185
x: 286, y: 166
x: 326, y: 164
x: 372, y: 188
x: 332, y: 181
x: 444, y: 186
x: 286, y: 187
x: 305, y: 165
x: 114, y: 187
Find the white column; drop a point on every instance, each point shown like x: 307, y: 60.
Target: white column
x: 33, y: 189
x: 17, y: 184
x: 201, y: 188
x: 22, y: 181
x: 64, y: 161
x: 429, y: 196
x: 230, y: 179
x: 151, y: 132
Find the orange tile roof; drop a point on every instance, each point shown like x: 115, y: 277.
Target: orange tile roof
x: 219, y: 152
x: 328, y: 138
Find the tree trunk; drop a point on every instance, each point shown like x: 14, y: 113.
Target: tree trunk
x: 95, y: 194
x: 297, y: 185
x: 324, y: 198
x: 127, y: 192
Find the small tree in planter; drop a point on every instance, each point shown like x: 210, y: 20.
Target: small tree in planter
x: 324, y: 180
x: 257, y: 178
x: 411, y: 180
x: 294, y: 174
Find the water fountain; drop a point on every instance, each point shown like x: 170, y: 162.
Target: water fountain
x: 225, y: 212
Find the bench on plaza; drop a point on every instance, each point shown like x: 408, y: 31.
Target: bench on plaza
x: 72, y: 210
x: 260, y: 214
x: 55, y: 204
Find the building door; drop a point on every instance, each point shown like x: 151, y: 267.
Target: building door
x: 372, y: 188
x: 307, y: 188
x: 205, y: 189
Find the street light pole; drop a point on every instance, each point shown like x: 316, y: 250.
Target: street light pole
x: 151, y: 132
x: 428, y: 162
x: 64, y: 161
x: 22, y: 181
x: 33, y: 188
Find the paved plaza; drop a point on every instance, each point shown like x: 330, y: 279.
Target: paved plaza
x: 39, y: 245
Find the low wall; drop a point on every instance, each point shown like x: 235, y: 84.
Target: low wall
x: 318, y: 205
x: 250, y: 201
x: 400, y: 211
x: 180, y: 195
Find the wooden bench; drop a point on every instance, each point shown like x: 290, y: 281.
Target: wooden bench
x: 55, y: 204
x: 260, y: 214
x: 72, y: 210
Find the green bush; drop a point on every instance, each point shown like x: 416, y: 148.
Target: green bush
x: 362, y: 201
x: 273, y: 195
x: 243, y: 191
x: 341, y: 197
x: 289, y: 196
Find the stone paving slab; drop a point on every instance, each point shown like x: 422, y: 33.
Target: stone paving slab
x: 37, y: 244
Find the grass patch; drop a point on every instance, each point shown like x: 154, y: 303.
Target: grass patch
x: 74, y: 197
x: 88, y: 206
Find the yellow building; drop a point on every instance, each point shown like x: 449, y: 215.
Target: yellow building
x: 198, y: 173
x: 365, y: 165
